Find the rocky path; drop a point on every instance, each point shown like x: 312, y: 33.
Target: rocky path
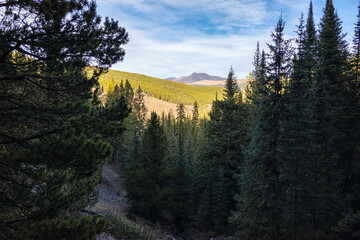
x: 111, y: 192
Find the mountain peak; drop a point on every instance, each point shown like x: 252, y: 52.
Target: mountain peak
x: 194, y: 77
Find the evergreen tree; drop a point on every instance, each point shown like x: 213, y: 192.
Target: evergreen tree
x: 255, y: 77
x: 297, y: 147
x: 191, y: 174
x: 180, y: 113
x: 50, y: 161
x: 228, y: 135
x: 259, y: 205
x: 128, y: 92
x: 149, y: 184
x: 139, y: 110
x: 231, y: 87
x: 195, y: 112
x: 329, y: 115
x: 219, y: 209
x: 122, y: 90
x: 278, y: 72
x: 310, y: 46
x: 348, y: 225
x: 117, y: 93
x: 185, y: 179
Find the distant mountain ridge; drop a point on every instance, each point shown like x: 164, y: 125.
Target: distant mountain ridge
x: 195, y: 77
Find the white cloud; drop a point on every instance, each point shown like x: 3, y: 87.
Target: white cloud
x: 213, y: 55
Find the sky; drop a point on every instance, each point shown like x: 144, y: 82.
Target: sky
x: 173, y: 38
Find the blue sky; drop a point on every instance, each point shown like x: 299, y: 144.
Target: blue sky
x: 172, y: 38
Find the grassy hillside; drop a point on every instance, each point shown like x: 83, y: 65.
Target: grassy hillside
x: 160, y: 106
x: 164, y: 89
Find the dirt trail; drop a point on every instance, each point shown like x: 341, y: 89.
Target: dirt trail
x: 111, y: 192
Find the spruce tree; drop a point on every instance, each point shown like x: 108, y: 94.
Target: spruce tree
x: 348, y: 225
x: 180, y: 109
x: 259, y: 205
x: 251, y: 89
x: 149, y: 184
x: 195, y: 112
x: 278, y: 72
x: 135, y: 127
x: 310, y: 45
x: 227, y: 136
x: 296, y: 146
x: 139, y: 110
x: 330, y: 116
x: 128, y: 92
x: 231, y: 87
x: 219, y: 209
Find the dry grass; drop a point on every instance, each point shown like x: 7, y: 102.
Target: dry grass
x: 160, y: 106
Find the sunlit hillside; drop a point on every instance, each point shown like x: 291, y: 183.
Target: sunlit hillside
x: 164, y: 89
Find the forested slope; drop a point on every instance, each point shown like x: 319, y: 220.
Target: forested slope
x: 163, y: 89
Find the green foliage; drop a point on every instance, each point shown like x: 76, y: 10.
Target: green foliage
x: 227, y: 134
x: 259, y: 205
x: 231, y: 87
x: 148, y: 183
x: 256, y: 79
x: 294, y: 183
x: 330, y: 116
x: 51, y: 154
x: 297, y: 145
x: 180, y: 109
x: 195, y: 111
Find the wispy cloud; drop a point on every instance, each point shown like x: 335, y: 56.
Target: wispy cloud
x: 211, y: 54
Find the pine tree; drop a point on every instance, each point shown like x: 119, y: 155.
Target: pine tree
x: 50, y: 160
